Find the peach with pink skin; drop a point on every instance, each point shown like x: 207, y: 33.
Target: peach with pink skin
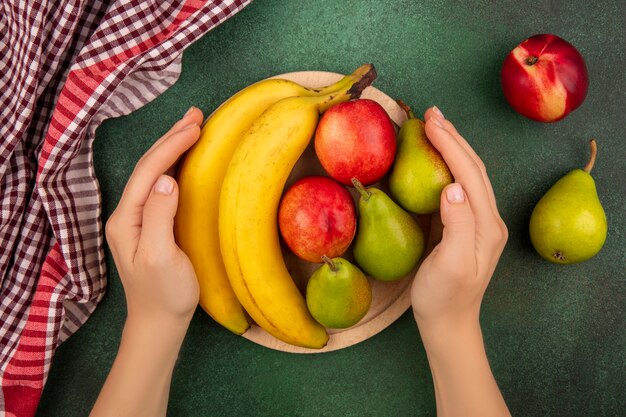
x: 356, y: 139
x: 545, y: 78
x: 317, y: 217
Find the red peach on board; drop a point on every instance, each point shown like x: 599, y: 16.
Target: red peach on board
x: 356, y: 139
x: 317, y: 217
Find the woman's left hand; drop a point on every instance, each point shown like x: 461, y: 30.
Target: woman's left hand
x: 158, y: 278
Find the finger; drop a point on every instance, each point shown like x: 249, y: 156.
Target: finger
x: 157, y: 229
x: 463, y: 168
x: 152, y: 166
x: 458, y: 241
x: 435, y: 112
x: 122, y: 237
x: 499, y: 233
x: 193, y: 116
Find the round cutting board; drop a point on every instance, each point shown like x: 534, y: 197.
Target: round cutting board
x: 389, y: 299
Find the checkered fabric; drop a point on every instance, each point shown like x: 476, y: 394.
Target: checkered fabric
x: 64, y: 68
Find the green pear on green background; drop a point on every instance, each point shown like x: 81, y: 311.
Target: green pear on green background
x: 419, y: 173
x: 568, y: 224
x: 338, y: 294
x: 388, y: 242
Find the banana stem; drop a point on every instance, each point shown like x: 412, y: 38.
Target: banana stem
x: 407, y: 109
x: 359, y: 187
x: 363, y: 77
x: 342, y: 83
x: 330, y: 263
x: 592, y: 158
x: 349, y: 87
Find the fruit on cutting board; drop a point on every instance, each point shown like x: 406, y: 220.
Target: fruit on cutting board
x: 200, y: 181
x: 356, y: 139
x: 388, y: 242
x: 545, y: 78
x: 317, y: 217
x: 338, y: 294
x: 568, y: 224
x: 249, y: 200
x: 419, y: 173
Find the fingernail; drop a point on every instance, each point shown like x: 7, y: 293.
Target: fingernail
x: 164, y: 185
x: 189, y: 111
x: 454, y: 193
x: 435, y: 121
x: 438, y: 112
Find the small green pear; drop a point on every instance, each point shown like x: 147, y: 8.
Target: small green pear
x: 338, y: 294
x: 568, y: 224
x: 419, y: 173
x: 389, y: 242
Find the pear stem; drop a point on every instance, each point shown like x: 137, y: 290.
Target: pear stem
x: 359, y: 187
x: 592, y: 158
x: 330, y: 263
x: 407, y: 109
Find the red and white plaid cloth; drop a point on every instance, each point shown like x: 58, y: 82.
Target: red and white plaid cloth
x: 64, y: 68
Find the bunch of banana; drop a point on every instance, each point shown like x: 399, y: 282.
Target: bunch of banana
x: 249, y: 203
x: 201, y: 180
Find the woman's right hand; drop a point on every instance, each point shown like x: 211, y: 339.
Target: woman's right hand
x: 449, y: 286
x: 451, y: 281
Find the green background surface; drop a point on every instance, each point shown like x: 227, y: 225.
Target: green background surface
x: 555, y: 335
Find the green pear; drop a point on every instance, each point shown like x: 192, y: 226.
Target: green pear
x: 389, y: 242
x: 568, y: 224
x: 338, y: 294
x: 419, y: 173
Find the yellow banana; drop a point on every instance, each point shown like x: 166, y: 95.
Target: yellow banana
x: 200, y: 180
x: 248, y: 208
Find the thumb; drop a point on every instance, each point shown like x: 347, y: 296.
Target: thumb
x: 458, y: 241
x: 157, y: 229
